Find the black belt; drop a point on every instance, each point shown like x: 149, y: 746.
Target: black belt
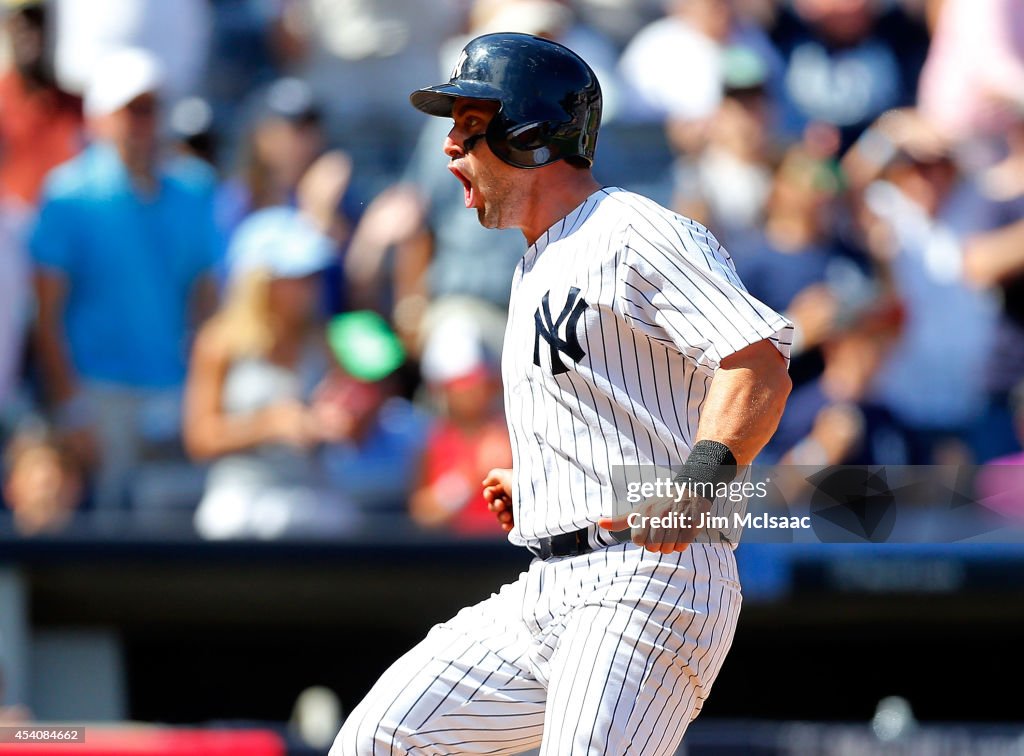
x: 563, y: 545
x: 575, y: 543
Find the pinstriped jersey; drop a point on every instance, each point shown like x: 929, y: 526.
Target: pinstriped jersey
x: 620, y: 314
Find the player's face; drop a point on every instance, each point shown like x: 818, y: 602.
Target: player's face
x: 492, y: 187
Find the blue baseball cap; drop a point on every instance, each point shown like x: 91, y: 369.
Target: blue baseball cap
x: 281, y: 241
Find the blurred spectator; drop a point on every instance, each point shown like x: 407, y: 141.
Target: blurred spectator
x: 919, y: 215
x: 796, y: 266
x: 251, y: 385
x: 362, y: 57
x: 322, y: 195
x: 283, y: 162
x: 40, y: 126
x: 690, y: 39
x: 325, y: 196
x: 847, y: 62
x: 468, y: 439
x: 283, y: 140
x: 620, y: 20
x: 192, y: 152
x: 726, y: 184
x: 15, y: 287
x: 1000, y: 482
x: 123, y: 246
x: 394, y: 217
x: 176, y: 33
x: 963, y: 92
x: 377, y: 435
x: 994, y: 259
x: 43, y: 483
x: 551, y: 19
x: 191, y: 125
x: 833, y: 419
x: 247, y: 48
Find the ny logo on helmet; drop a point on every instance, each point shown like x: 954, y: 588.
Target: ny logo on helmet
x: 457, y: 71
x: 547, y: 329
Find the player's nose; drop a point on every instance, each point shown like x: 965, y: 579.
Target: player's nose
x: 452, y: 148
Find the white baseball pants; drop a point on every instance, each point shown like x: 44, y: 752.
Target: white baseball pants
x: 611, y: 652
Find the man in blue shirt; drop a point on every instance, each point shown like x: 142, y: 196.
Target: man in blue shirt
x: 122, y: 246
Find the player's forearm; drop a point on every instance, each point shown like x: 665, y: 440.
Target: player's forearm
x: 745, y: 401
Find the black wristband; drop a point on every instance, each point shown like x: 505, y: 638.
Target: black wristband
x: 710, y: 462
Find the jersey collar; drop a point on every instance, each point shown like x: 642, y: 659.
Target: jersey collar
x: 567, y: 225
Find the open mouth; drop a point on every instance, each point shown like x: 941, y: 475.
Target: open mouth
x: 467, y: 185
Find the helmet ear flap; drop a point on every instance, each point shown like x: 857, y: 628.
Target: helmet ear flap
x: 530, y: 136
x: 529, y: 145
x: 533, y: 144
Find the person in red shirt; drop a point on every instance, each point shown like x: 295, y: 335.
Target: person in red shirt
x: 40, y: 125
x: 466, y: 441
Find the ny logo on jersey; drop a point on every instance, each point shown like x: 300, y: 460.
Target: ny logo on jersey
x: 547, y: 329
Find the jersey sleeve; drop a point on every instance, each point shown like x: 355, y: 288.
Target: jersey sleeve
x: 678, y: 286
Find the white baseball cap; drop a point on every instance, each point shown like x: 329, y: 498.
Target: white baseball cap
x: 121, y: 76
x: 281, y: 241
x: 454, y: 350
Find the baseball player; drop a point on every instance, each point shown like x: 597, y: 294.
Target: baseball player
x: 630, y: 341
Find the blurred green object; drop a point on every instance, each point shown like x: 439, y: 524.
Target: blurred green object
x: 743, y: 69
x: 364, y: 345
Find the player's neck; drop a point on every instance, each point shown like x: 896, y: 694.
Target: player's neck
x: 567, y: 190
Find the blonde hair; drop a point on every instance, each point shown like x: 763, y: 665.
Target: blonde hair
x: 243, y: 323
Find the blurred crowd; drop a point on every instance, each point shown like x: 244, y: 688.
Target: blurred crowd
x: 238, y: 284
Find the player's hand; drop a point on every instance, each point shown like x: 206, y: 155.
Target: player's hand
x: 498, y: 495
x: 662, y: 526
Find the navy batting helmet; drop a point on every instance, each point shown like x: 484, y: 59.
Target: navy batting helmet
x: 550, y: 100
